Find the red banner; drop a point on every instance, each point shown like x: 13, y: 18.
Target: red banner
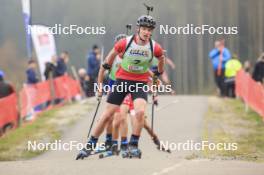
x: 37, y: 97
x: 66, y: 87
x: 38, y: 94
x: 34, y: 95
x: 8, y: 110
x: 250, y: 91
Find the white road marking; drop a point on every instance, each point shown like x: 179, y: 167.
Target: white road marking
x: 173, y: 167
x: 168, y: 169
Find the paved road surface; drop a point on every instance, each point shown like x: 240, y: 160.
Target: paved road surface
x: 178, y: 119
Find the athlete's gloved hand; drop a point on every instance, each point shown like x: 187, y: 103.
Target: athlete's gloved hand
x: 155, y: 79
x: 99, y: 95
x: 155, y: 101
x: 157, y: 73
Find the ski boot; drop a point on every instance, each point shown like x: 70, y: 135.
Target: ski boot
x: 87, y: 151
x: 108, y: 145
x: 111, y: 152
x: 134, y: 152
x: 124, y: 150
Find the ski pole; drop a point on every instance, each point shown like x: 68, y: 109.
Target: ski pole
x: 154, y: 94
x: 97, y: 107
x: 152, y: 113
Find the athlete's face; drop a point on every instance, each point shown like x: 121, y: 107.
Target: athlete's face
x: 145, y: 33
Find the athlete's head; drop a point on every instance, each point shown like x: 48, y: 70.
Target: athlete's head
x: 146, y: 24
x: 119, y: 37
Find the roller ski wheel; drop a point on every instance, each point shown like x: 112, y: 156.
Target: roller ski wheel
x: 125, y: 154
x: 105, y: 154
x: 102, y: 149
x: 133, y: 152
x: 124, y: 151
x: 111, y: 152
x: 89, y: 151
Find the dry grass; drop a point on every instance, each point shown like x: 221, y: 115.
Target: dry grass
x: 48, y: 127
x: 226, y: 121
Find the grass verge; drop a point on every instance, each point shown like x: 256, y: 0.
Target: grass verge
x: 47, y: 127
x: 227, y: 122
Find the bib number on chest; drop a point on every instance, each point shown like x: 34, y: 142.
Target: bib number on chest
x: 135, y: 68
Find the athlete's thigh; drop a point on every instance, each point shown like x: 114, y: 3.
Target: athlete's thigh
x: 110, y: 109
x: 115, y: 97
x: 140, y: 104
x: 139, y: 95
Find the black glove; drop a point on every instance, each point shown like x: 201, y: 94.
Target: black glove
x: 157, y: 73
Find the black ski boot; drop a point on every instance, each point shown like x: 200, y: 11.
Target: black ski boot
x: 134, y: 152
x: 108, y: 145
x: 111, y: 152
x: 87, y: 151
x: 124, y: 150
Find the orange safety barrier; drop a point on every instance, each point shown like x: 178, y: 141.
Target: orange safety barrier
x: 66, y: 87
x: 8, y: 110
x: 250, y: 91
x: 34, y: 95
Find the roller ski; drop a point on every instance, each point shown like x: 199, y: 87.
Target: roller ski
x: 159, y: 146
x: 89, y: 151
x: 132, y: 152
x: 85, y: 152
x: 113, y: 151
x: 124, y: 151
x: 102, y: 149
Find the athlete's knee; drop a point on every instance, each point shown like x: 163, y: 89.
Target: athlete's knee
x: 107, y: 117
x: 140, y: 115
x: 123, y: 119
x: 117, y: 119
x: 140, y: 112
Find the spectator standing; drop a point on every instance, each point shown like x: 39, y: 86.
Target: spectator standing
x: 84, y: 81
x: 93, y: 60
x: 219, y: 56
x: 258, y: 73
x: 50, y: 68
x: 31, y: 72
x: 247, y: 66
x: 31, y: 90
x: 231, y: 68
x: 61, y: 68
